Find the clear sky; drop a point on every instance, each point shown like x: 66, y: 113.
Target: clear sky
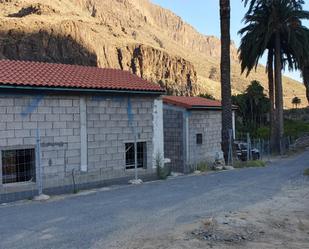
x: 204, y: 16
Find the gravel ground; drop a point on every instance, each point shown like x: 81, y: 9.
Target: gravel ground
x: 117, y: 217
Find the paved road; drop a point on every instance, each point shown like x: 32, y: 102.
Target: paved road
x: 94, y: 220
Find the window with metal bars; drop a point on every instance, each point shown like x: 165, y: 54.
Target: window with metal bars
x: 18, y: 165
x: 141, y: 155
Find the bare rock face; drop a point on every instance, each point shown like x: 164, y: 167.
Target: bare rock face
x: 133, y: 35
x: 174, y: 73
x: 46, y: 47
x: 38, y: 9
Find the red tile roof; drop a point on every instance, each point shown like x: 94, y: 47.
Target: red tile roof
x: 38, y: 74
x: 192, y: 102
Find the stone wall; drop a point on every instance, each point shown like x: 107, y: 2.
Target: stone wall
x: 297, y: 114
x: 58, y: 120
x: 207, y: 123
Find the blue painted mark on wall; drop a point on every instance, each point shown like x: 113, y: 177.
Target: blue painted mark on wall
x: 130, y: 112
x: 187, y: 114
x: 32, y: 106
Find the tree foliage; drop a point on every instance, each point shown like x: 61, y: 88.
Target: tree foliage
x: 253, y: 107
x: 276, y: 26
x: 207, y: 96
x: 296, y: 101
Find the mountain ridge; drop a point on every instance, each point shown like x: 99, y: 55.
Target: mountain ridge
x: 133, y: 35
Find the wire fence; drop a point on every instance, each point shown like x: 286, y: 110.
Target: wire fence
x: 259, y: 146
x: 53, y: 170
x: 27, y: 173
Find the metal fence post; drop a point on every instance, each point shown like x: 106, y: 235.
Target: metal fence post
x: 248, y: 147
x: 38, y: 163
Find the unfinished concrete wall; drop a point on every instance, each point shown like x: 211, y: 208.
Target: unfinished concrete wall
x: 173, y: 125
x: 108, y: 130
x: 207, y: 123
x: 62, y: 149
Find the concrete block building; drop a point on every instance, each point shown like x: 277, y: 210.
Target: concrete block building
x: 72, y: 125
x: 192, y: 131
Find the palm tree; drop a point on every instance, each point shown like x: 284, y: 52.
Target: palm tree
x: 273, y: 25
x: 255, y: 3
x: 225, y: 76
x: 296, y: 101
x: 305, y: 73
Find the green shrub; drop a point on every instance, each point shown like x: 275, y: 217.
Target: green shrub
x: 295, y: 128
x: 162, y: 171
x: 202, y: 166
x: 306, y: 172
x: 262, y: 132
x: 249, y: 164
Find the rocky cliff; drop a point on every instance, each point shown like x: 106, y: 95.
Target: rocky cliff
x: 133, y: 35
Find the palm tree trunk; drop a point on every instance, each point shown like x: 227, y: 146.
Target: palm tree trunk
x: 225, y: 75
x: 306, y: 80
x: 270, y: 71
x: 278, y: 94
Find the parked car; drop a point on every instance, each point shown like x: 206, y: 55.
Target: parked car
x: 241, y: 149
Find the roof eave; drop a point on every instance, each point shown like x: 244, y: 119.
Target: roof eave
x: 84, y: 90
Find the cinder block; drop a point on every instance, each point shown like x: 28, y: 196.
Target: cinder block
x: 66, y: 117
x: 2, y: 126
x: 76, y: 117
x: 72, y: 124
x: 111, y: 150
x: 44, y: 110
x: 58, y: 110
x: 111, y: 110
x: 6, y: 101
x: 45, y: 125
x: 7, y: 134
x: 66, y: 102
x: 104, y: 116
x: 49, y: 140
x: 3, y: 109
x: 14, y: 125
x: 59, y: 124
x: 7, y: 117
x: 29, y: 141
x: 73, y: 153
x: 22, y: 133
x: 73, y: 139
x: 76, y: 132
x: 98, y: 124
x: 3, y: 142
x: 66, y: 132
x: 53, y: 132
x: 111, y: 137
x: 72, y: 110
x: 49, y: 154
x: 52, y: 117
x: 73, y: 160
x: 61, y: 139
x: 14, y: 141
x: 37, y: 117
x: 115, y: 130
x: 73, y: 146
x: 48, y: 102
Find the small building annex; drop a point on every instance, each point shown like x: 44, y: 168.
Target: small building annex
x: 85, y: 120
x: 192, y: 131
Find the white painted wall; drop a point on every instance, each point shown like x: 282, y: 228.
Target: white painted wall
x: 158, y: 137
x: 234, y: 125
